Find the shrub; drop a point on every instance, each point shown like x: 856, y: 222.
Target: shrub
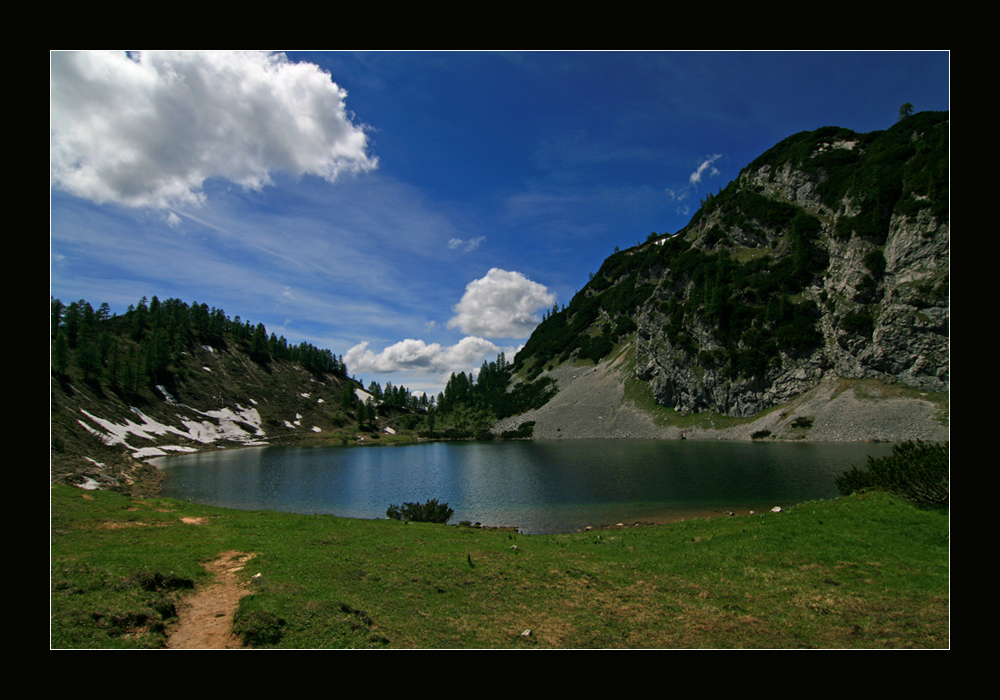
x: 258, y: 627
x: 857, y: 322
x: 429, y: 512
x: 914, y: 470
x: 876, y: 264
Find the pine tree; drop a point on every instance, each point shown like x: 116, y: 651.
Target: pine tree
x: 60, y: 354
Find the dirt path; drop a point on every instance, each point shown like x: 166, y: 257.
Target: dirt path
x: 206, y: 617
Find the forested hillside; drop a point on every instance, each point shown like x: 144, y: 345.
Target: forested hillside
x: 146, y: 345
x: 169, y: 377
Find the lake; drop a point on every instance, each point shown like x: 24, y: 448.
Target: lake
x: 536, y: 486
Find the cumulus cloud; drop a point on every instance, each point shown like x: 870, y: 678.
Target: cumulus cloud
x: 501, y: 305
x: 416, y: 355
x: 146, y: 129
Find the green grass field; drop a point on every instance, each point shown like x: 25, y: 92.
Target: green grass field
x: 865, y: 571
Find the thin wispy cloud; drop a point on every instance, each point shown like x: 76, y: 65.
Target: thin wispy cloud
x: 684, y: 194
x: 703, y: 167
x: 466, y: 245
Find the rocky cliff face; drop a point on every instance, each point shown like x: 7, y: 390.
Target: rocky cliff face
x: 829, y: 255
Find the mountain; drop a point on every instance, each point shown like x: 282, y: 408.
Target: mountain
x: 826, y: 259
x: 807, y: 300
x: 171, y: 377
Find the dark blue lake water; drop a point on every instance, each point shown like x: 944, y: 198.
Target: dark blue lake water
x: 537, y: 486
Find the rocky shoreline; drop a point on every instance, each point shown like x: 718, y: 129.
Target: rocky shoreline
x: 591, y: 403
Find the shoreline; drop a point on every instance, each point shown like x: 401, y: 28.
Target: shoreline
x: 592, y: 404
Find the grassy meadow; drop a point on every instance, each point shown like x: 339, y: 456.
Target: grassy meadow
x: 865, y: 571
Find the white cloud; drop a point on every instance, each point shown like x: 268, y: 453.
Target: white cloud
x: 684, y: 193
x: 147, y: 129
x: 705, y: 165
x: 677, y: 195
x: 416, y: 355
x: 501, y: 305
x: 467, y: 246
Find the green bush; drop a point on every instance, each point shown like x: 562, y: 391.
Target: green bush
x: 914, y: 470
x: 429, y: 512
x: 258, y: 627
x: 857, y: 322
x: 524, y: 430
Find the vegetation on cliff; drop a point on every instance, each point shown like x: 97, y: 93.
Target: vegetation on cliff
x: 829, y: 252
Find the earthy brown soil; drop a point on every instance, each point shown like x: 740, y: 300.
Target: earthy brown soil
x: 206, y: 616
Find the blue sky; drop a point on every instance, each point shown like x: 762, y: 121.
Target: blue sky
x: 415, y: 212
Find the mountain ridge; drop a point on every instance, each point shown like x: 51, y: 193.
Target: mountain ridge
x: 808, y: 300
x: 827, y: 255
x: 168, y: 378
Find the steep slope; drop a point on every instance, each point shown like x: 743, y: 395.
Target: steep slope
x: 605, y: 400
x: 827, y: 257
x: 213, y: 390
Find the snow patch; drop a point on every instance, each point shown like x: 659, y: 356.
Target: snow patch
x: 147, y: 452
x: 240, y: 425
x: 166, y: 395
x: 89, y: 485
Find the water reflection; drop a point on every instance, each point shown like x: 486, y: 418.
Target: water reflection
x: 538, y: 486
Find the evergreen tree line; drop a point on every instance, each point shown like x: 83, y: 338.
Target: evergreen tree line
x: 142, y: 346
x: 464, y: 402
x: 473, y: 402
x: 468, y: 406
